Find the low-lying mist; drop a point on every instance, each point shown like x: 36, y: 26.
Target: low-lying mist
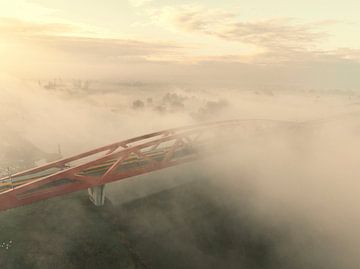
x: 302, y: 182
x: 306, y: 181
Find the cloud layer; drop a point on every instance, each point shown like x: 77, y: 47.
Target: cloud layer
x: 283, y: 52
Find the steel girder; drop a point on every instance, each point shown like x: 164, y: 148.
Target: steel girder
x: 113, y: 162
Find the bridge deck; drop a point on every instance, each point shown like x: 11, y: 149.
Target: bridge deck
x: 131, y: 162
x: 120, y: 160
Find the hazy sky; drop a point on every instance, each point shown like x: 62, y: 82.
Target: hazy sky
x: 148, y: 38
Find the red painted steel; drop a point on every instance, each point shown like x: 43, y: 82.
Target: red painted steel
x: 110, y: 163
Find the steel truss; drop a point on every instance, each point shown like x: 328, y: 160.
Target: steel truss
x: 114, y: 162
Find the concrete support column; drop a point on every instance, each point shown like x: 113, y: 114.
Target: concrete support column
x: 97, y: 195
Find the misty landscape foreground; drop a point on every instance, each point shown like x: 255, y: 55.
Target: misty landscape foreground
x: 283, y: 198
x: 195, y: 225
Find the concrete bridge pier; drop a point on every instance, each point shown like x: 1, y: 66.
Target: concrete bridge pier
x: 97, y: 195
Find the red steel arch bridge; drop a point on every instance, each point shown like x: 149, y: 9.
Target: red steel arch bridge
x: 140, y: 155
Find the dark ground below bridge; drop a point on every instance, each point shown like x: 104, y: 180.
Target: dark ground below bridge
x: 195, y: 225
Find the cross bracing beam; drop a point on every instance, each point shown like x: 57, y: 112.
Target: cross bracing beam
x: 119, y: 160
